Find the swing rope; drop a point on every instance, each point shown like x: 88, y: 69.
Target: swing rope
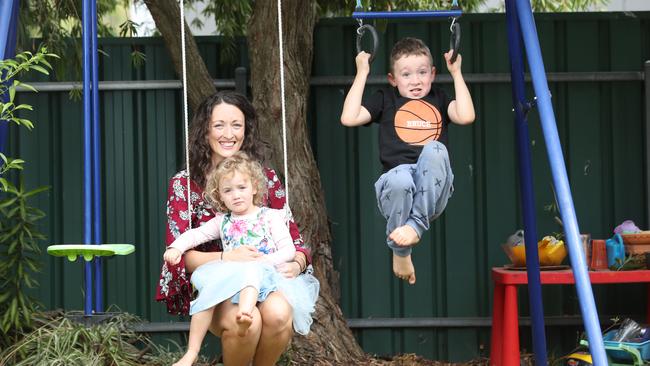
x: 185, y: 119
x: 185, y: 122
x: 282, y: 101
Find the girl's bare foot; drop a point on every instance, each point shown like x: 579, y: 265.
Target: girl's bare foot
x: 405, y: 236
x: 403, y: 268
x: 244, y: 321
x: 187, y: 359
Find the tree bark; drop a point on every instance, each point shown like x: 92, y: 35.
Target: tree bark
x: 330, y: 338
x: 167, y: 14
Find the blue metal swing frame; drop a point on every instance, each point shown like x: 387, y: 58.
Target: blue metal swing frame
x: 92, y: 229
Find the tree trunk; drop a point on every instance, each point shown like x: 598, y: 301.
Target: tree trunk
x: 167, y: 14
x: 330, y: 338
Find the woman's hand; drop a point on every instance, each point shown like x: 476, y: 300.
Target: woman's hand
x: 289, y: 269
x: 244, y: 253
x: 172, y: 256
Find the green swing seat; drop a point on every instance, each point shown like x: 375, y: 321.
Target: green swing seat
x: 89, y: 251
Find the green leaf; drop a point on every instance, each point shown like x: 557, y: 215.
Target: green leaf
x: 13, y: 308
x: 24, y: 106
x: 12, y: 94
x: 25, y: 122
x: 7, y: 202
x: 6, y: 108
x: 29, y: 87
x: 40, y: 69
x: 4, y: 296
x: 36, y: 191
x: 44, y: 62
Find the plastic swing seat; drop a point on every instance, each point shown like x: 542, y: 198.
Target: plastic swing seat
x: 89, y: 251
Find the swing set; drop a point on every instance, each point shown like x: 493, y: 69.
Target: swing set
x: 521, y: 28
x: 91, y: 250
x: 521, y: 34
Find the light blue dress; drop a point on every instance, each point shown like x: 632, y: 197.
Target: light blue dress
x: 217, y: 281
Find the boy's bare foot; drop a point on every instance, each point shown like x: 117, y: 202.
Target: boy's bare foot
x: 244, y: 321
x: 404, y: 236
x: 403, y: 268
x: 187, y: 359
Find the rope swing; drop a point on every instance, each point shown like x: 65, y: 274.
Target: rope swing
x: 284, y: 113
x: 185, y: 114
x: 185, y: 122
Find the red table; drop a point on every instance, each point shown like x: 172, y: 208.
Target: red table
x: 505, y: 318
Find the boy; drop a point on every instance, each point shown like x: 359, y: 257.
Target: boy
x: 413, y: 116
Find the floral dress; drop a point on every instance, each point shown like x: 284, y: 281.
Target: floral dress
x: 220, y: 280
x: 174, y: 286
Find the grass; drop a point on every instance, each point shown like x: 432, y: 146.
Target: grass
x: 58, y: 341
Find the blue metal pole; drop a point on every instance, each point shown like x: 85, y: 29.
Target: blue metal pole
x: 526, y: 184
x: 8, y: 24
x: 561, y: 183
x: 96, y: 153
x: 87, y: 178
x: 6, y: 20
x: 407, y: 14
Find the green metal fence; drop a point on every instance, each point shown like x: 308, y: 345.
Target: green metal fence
x: 596, y: 72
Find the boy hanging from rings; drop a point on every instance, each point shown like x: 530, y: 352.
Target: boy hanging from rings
x: 413, y: 118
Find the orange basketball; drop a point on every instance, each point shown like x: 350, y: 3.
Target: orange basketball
x: 418, y: 122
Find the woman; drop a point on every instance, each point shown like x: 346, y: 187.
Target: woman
x: 223, y: 124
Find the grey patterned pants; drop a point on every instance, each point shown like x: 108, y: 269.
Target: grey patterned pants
x: 415, y: 194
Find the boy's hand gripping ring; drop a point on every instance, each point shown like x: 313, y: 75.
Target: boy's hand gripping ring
x: 375, y: 40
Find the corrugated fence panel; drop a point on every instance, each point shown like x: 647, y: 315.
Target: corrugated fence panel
x: 600, y: 127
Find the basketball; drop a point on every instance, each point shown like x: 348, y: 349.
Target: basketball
x: 418, y: 122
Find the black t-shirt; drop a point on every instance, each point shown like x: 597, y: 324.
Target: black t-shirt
x: 406, y: 125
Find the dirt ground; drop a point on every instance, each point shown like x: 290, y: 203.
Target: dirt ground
x: 407, y: 360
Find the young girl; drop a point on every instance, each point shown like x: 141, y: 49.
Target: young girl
x: 238, y: 184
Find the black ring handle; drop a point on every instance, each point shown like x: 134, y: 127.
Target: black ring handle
x: 375, y: 40
x: 454, y: 41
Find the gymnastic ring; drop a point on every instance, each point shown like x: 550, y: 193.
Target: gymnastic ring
x: 375, y: 40
x: 454, y: 40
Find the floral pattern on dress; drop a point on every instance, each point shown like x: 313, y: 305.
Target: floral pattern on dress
x: 174, y: 287
x: 248, y: 230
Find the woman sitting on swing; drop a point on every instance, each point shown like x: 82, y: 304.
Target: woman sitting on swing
x: 224, y: 124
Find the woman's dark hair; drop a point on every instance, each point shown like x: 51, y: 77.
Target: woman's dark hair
x: 200, y: 151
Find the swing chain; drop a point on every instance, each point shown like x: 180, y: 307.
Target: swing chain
x: 359, y: 8
x: 453, y: 21
x: 362, y: 29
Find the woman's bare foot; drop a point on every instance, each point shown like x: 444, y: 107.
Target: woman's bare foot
x: 403, y: 268
x: 187, y: 359
x: 244, y: 321
x: 405, y: 236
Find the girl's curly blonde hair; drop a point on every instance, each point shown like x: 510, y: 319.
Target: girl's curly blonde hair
x: 239, y: 162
